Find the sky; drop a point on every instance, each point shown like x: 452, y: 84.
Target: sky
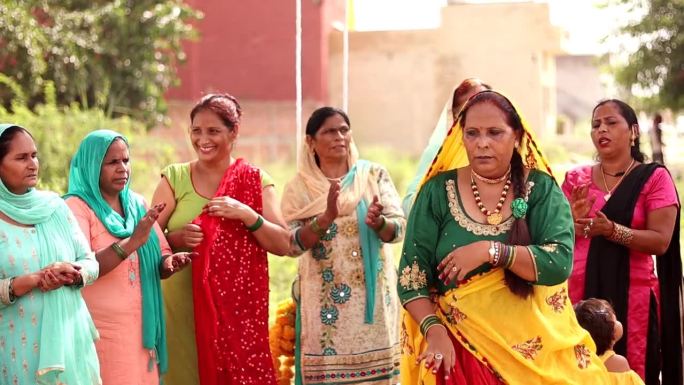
x: 585, y: 23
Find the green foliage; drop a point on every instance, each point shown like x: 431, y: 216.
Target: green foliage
x: 117, y: 56
x: 658, y: 63
x: 58, y: 132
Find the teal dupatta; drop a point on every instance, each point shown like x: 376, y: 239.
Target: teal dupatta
x: 370, y: 243
x: 84, y: 183
x: 67, y: 350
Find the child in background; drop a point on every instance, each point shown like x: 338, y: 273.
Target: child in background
x: 598, y: 318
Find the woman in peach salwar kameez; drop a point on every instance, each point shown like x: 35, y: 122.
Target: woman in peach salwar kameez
x: 132, y: 345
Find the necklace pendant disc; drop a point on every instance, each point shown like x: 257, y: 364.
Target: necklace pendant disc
x: 494, y: 219
x: 606, y: 197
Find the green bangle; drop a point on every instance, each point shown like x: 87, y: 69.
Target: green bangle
x: 119, y: 250
x: 384, y: 224
x: 256, y: 225
x: 427, y: 322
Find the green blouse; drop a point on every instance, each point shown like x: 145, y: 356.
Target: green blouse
x: 189, y: 202
x: 438, y: 224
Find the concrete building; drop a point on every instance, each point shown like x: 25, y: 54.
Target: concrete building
x: 579, y: 88
x: 398, y: 80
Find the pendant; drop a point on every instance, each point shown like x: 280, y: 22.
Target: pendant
x: 494, y: 219
x: 606, y: 197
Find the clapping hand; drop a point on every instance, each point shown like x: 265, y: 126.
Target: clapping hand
x: 580, y: 201
x: 374, y: 218
x: 142, y: 230
x: 176, y: 262
x: 592, y: 227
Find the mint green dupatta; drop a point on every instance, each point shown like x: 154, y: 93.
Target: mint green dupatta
x: 84, y: 182
x: 67, y: 351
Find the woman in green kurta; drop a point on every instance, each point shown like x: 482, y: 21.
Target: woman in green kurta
x: 489, y: 240
x: 440, y: 224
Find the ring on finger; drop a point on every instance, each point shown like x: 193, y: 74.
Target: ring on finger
x: 455, y: 269
x: 439, y: 356
x: 591, y: 222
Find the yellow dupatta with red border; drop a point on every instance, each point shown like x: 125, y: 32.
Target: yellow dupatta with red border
x: 484, y: 315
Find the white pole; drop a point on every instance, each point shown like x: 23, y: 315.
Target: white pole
x: 345, y: 59
x: 298, y: 76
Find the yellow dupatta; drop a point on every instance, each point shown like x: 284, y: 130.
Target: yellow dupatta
x: 483, y: 314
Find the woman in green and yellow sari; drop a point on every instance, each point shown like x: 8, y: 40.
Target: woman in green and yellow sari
x: 487, y: 252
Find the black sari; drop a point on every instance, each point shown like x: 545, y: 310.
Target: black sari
x: 607, y: 277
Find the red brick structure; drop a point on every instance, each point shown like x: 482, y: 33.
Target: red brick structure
x: 247, y: 48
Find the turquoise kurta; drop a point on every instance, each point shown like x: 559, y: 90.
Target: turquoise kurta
x: 20, y: 322
x: 438, y: 224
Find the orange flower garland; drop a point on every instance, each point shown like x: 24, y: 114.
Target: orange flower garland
x: 281, y: 337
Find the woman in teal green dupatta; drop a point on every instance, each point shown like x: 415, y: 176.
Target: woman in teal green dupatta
x: 100, y: 177
x: 46, y: 333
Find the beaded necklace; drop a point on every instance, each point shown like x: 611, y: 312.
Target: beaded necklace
x: 493, y: 217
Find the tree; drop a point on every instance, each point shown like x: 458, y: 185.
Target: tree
x: 59, y: 130
x: 119, y: 56
x: 657, y: 65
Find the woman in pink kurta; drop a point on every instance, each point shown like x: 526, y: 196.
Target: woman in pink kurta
x: 625, y: 213
x: 115, y: 303
x: 125, y: 302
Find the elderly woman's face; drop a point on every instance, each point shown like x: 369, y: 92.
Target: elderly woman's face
x: 19, y: 168
x: 332, y: 140
x: 488, y: 139
x: 116, y: 168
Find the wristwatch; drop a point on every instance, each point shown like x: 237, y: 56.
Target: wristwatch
x: 492, y: 252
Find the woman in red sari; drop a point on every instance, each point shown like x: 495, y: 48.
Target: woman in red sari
x: 226, y: 210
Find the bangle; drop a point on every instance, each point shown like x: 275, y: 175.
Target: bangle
x: 119, y: 250
x: 495, y: 253
x: 511, y: 260
x: 383, y: 226
x: 6, y: 292
x: 256, y: 225
x: 506, y: 254
x: 316, y: 228
x: 621, y: 234
x: 298, y: 239
x: 10, y: 290
x: 427, y: 322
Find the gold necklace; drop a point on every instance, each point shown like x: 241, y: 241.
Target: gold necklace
x: 605, y: 184
x: 493, y: 217
x: 492, y: 180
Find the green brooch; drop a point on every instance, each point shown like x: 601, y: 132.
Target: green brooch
x: 519, y: 208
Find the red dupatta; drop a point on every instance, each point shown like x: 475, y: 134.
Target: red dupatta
x: 230, y: 291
